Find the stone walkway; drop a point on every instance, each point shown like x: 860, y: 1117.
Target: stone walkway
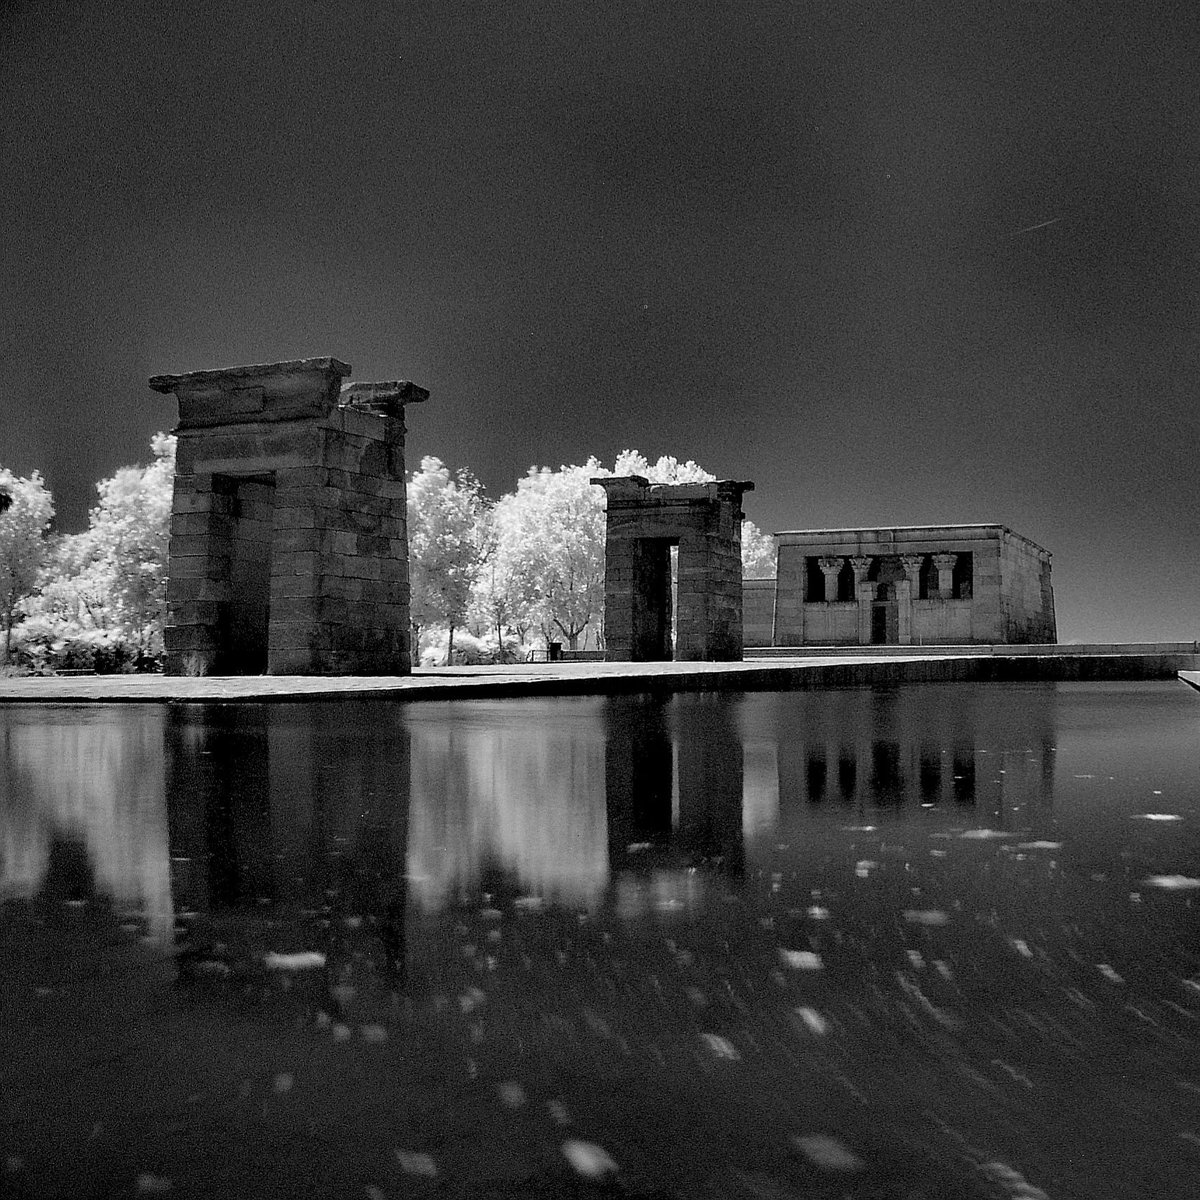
x: 451, y: 683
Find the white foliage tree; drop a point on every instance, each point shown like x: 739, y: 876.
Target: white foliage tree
x: 448, y: 541
x: 23, y: 525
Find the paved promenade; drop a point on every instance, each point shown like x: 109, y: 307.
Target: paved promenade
x: 453, y: 683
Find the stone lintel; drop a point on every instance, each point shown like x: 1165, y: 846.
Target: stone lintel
x: 383, y: 396
x: 634, y: 489
x: 249, y: 374
x: 282, y: 391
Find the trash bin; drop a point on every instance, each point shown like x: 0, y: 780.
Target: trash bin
x: 554, y: 651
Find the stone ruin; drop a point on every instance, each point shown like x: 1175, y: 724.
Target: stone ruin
x: 644, y: 522
x: 289, y: 545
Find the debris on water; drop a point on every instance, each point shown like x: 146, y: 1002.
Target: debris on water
x: 817, y: 913
x: 721, y: 1047
x: 527, y: 903
x: 801, y: 960
x: 373, y: 1034
x: 1172, y: 882
x: 512, y: 1094
x: 827, y: 1152
x: 859, y: 828
x: 864, y: 867
x: 984, y: 834
x: 152, y: 1185
x: 1109, y: 973
x: 697, y: 997
x: 925, y: 916
x: 1013, y: 1182
x: 1039, y: 845
x: 304, y: 960
x: 413, y: 1162
x: 916, y: 958
x: 638, y: 847
x: 588, y: 1159
x: 1021, y: 946
x: 1156, y: 816
x: 813, y: 1020
x: 342, y: 1033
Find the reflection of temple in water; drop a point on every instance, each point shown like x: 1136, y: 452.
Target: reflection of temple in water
x: 986, y: 749
x: 81, y: 800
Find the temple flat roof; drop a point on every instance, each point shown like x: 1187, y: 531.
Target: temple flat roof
x: 934, y: 532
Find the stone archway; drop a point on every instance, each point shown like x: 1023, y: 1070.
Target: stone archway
x: 644, y: 521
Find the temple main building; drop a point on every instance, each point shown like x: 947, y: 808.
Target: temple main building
x: 920, y: 585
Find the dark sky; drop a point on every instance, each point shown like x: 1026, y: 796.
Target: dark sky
x: 898, y: 263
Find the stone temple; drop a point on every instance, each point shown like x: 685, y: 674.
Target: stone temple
x: 289, y: 544
x: 920, y: 585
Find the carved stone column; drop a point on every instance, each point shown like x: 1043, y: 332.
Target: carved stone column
x: 860, y: 564
x: 830, y: 567
x: 912, y: 568
x: 945, y: 569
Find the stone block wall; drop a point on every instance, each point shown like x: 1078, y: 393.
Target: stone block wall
x: 758, y: 611
x: 282, y: 444
x: 705, y: 521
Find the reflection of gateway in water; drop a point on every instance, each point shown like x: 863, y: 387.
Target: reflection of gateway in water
x: 374, y: 803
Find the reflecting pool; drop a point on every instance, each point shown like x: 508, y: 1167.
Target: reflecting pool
x: 924, y: 941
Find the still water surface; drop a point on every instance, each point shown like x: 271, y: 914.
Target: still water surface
x: 933, y: 940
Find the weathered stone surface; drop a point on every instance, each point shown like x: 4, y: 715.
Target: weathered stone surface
x: 289, y: 503
x: 644, y: 521
x: 931, y: 585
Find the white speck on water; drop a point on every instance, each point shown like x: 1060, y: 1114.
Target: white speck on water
x: 1156, y: 816
x: 943, y: 968
x: 524, y: 903
x: 304, y: 960
x: 984, y: 834
x: 859, y: 828
x: 373, y: 1034
x: 413, y: 1162
x: 490, y: 914
x: 827, y: 1152
x: 1021, y: 946
x: 152, y: 1185
x: 588, y: 1159
x: 14, y: 1163
x: 721, y: 1047
x: 801, y: 960
x: 1172, y: 882
x: 1039, y: 846
x: 284, y: 1082
x: 1109, y: 973
x: 374, y: 1193
x: 638, y: 847
x: 512, y: 1095
x: 354, y: 922
x: 813, y: 1020
x: 471, y: 999
x: 341, y: 1032
x: 1157, y: 792
x: 817, y: 913
x: 916, y: 958
x: 931, y: 916
x: 864, y: 867
x: 1083, y: 777
x: 558, y: 1112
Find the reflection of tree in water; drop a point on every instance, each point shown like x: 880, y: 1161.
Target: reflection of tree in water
x: 93, y: 782
x: 520, y: 793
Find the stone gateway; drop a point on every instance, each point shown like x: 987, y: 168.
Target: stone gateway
x: 645, y: 522
x: 289, y: 546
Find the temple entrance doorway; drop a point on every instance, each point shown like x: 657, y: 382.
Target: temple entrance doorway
x: 885, y: 616
x: 246, y: 533
x: 653, y: 606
